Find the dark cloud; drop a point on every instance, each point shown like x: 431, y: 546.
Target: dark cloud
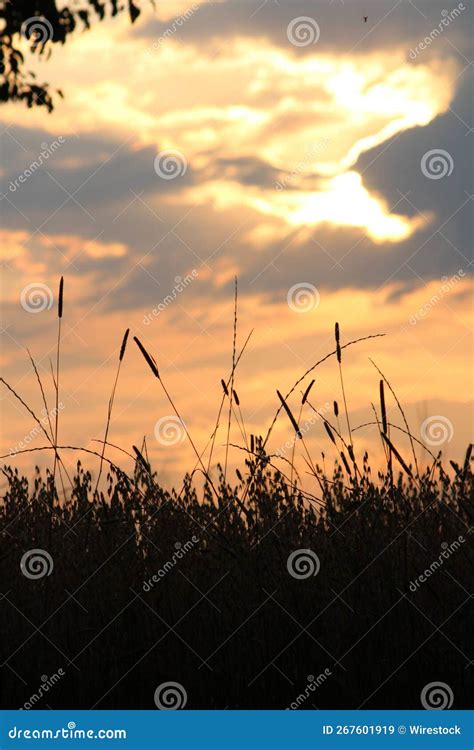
x: 247, y: 171
x: 391, y: 23
x: 90, y: 187
x: 165, y: 241
x: 96, y: 171
x: 394, y: 170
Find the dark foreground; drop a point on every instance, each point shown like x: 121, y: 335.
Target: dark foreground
x: 232, y: 615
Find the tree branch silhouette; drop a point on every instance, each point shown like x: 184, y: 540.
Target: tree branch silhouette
x: 43, y: 25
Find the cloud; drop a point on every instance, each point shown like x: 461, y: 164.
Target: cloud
x: 302, y: 160
x: 303, y: 166
x: 391, y: 25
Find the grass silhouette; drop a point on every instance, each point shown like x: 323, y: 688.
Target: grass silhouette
x: 239, y: 590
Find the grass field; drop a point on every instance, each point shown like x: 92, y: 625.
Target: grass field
x: 243, y: 592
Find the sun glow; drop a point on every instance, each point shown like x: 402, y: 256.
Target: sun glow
x: 340, y: 201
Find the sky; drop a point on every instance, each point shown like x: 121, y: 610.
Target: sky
x: 323, y: 160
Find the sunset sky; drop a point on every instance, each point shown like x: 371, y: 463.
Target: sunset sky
x: 321, y: 160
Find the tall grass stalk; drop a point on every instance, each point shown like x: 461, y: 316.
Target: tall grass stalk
x: 232, y: 376
x: 111, y: 404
